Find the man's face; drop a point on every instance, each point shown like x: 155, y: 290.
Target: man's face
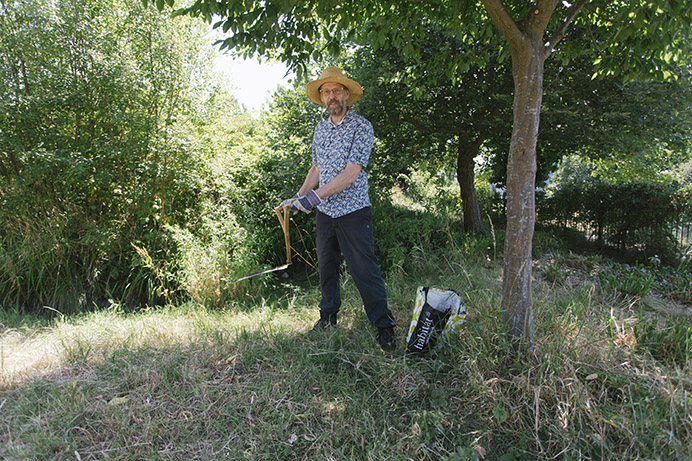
x: 334, y: 97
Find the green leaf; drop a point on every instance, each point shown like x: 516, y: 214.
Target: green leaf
x: 500, y: 414
x: 159, y: 5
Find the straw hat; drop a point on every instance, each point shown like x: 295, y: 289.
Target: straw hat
x: 336, y: 75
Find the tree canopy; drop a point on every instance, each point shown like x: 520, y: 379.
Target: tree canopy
x: 633, y: 39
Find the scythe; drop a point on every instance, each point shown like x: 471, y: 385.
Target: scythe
x: 283, y: 213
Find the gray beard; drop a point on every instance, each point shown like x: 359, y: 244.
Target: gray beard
x: 336, y: 110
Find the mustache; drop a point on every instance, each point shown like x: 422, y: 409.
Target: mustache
x: 335, y: 106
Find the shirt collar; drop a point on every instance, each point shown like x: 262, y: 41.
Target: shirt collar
x: 347, y: 117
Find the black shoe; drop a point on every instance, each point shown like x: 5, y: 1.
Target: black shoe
x: 324, y: 323
x: 386, y: 338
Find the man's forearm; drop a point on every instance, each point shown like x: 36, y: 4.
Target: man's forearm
x: 311, y: 180
x: 336, y: 185
x: 340, y: 181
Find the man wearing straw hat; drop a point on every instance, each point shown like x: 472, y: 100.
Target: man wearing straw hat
x: 341, y: 149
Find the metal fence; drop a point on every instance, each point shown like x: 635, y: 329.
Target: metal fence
x: 616, y: 236
x: 683, y: 233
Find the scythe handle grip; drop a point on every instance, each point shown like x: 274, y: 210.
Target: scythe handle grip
x: 284, y: 214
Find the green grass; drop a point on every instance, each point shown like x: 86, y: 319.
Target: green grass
x: 246, y: 382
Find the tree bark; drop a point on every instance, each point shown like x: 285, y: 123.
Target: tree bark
x: 465, y: 177
x: 517, y: 298
x: 528, y: 56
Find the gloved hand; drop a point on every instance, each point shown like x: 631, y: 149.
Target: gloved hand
x: 288, y: 202
x: 307, y: 202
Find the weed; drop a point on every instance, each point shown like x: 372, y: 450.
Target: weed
x: 77, y: 350
x: 554, y: 273
x: 671, y: 342
x: 676, y: 284
x: 627, y: 281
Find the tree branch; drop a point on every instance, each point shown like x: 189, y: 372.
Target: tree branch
x: 541, y: 13
x: 503, y: 20
x: 555, y: 38
x: 593, y: 39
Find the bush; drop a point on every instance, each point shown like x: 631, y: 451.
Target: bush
x: 401, y: 231
x: 634, y: 216
x: 208, y: 261
x: 100, y: 160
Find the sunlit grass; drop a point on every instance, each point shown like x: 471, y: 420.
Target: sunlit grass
x: 88, y: 338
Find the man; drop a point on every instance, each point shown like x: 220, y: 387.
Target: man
x: 341, y: 148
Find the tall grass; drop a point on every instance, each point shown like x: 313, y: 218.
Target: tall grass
x: 246, y: 382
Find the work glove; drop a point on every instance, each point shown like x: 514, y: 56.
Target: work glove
x: 307, y: 202
x: 288, y: 202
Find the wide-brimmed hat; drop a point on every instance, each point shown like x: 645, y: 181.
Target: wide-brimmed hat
x: 336, y: 75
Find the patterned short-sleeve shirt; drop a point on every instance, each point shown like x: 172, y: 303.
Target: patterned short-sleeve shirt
x: 335, y: 146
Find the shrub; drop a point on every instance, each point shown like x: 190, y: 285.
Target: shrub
x: 399, y: 231
x: 100, y: 158
x: 208, y: 261
x: 634, y: 216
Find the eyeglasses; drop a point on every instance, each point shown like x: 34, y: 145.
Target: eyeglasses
x: 334, y: 91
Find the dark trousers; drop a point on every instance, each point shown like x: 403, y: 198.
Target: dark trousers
x: 351, y: 235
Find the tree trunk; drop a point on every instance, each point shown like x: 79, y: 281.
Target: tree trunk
x: 465, y: 177
x: 517, y: 299
x: 529, y: 52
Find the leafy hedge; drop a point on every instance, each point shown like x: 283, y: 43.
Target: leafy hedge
x: 635, y: 215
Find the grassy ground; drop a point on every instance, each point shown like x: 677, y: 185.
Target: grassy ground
x: 246, y: 382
